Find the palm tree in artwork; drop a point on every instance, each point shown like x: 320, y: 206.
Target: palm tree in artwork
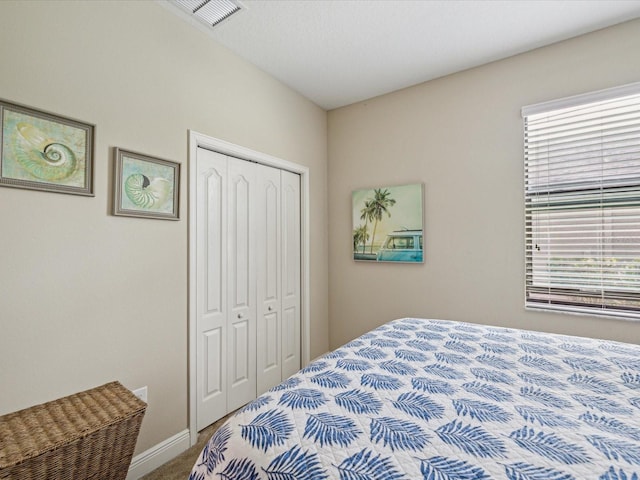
x: 360, y: 236
x: 367, y: 216
x: 378, y: 206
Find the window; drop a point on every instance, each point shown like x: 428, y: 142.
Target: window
x: 582, y: 203
x: 399, y: 242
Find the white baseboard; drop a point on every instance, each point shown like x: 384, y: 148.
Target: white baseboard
x: 157, y: 455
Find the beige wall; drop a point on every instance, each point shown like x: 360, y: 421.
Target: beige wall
x: 462, y: 137
x: 86, y: 297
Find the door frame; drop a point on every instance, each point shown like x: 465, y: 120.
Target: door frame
x: 199, y: 140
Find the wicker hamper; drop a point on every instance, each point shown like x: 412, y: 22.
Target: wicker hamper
x: 88, y: 435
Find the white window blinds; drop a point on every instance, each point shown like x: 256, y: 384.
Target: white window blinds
x: 582, y: 203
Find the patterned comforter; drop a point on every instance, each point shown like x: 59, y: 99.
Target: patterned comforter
x: 440, y: 400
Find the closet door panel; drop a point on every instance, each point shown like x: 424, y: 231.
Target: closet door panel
x: 211, y: 305
x: 268, y: 275
x: 241, y: 284
x: 240, y: 342
x: 213, y: 347
x: 291, y: 261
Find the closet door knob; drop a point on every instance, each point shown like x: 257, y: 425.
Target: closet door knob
x: 239, y: 315
x: 270, y: 308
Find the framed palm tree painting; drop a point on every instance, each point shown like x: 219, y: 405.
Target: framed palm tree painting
x: 388, y: 224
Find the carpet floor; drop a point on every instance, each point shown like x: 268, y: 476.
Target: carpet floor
x: 180, y: 467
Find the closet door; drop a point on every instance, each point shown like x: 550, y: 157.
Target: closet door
x: 241, y: 279
x: 268, y: 277
x: 291, y: 262
x: 211, y: 287
x: 248, y: 281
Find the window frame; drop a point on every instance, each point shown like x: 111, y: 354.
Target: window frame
x: 549, y: 297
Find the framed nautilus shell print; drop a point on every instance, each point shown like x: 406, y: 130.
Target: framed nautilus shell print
x: 44, y: 151
x: 145, y: 186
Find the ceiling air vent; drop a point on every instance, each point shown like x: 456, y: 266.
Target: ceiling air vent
x: 211, y: 12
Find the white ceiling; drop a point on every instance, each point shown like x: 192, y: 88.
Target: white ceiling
x: 337, y: 52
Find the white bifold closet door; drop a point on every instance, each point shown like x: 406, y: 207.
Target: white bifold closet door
x: 291, y: 269
x: 248, y: 275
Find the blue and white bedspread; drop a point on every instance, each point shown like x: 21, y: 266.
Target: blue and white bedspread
x: 440, y: 400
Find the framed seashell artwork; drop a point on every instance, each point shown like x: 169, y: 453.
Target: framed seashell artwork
x: 145, y: 186
x: 44, y: 151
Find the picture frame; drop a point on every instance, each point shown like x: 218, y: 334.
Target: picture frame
x: 387, y: 224
x: 44, y: 151
x: 145, y: 186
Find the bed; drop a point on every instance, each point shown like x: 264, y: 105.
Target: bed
x: 442, y: 400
